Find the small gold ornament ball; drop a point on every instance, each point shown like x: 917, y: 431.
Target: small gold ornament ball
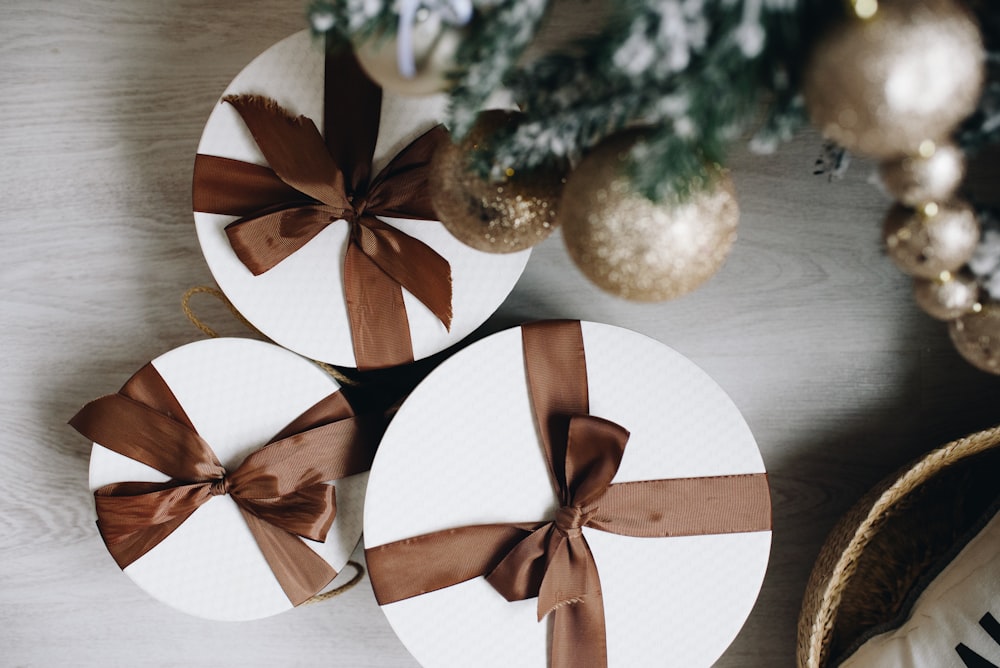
x: 638, y: 249
x: 435, y: 44
x: 933, y: 175
x: 497, y: 217
x: 881, y: 86
x: 946, y: 297
x: 976, y: 336
x: 926, y: 242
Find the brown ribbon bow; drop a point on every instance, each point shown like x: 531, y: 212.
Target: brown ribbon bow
x: 551, y: 560
x: 280, y: 489
x: 312, y: 182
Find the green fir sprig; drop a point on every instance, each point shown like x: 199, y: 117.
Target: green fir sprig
x: 694, y: 72
x: 490, y: 51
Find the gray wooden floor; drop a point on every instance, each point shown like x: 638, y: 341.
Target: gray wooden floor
x: 808, y: 327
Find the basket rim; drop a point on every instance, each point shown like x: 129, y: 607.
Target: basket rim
x: 838, y: 558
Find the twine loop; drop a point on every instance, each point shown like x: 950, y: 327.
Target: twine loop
x: 211, y: 333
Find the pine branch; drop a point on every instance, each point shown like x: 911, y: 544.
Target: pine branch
x: 695, y: 72
x: 688, y: 69
x: 490, y: 51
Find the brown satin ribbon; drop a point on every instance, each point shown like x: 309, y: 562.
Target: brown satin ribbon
x: 280, y: 489
x: 550, y: 559
x: 313, y: 181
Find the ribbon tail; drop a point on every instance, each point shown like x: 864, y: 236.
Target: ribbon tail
x: 293, y: 147
x: 263, y: 240
x: 411, y: 263
x: 571, y: 594
x: 380, y: 329
x: 300, y: 571
x: 579, y: 636
x: 571, y: 576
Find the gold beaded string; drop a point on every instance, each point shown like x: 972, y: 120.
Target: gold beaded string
x: 940, y: 228
x: 931, y: 233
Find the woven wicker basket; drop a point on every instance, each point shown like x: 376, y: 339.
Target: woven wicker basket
x: 889, y: 539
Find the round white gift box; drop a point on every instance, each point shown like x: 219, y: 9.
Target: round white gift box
x: 300, y: 303
x: 238, y: 393
x: 464, y: 450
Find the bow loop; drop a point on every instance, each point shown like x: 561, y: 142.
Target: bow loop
x: 124, y: 508
x: 594, y: 449
x: 308, y: 512
x: 551, y: 565
x: 134, y: 517
x: 400, y: 189
x: 519, y: 575
x: 293, y: 148
x: 329, y: 451
x: 139, y: 432
x: 264, y: 239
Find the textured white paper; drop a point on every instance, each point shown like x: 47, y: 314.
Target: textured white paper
x: 463, y: 450
x: 238, y: 393
x: 300, y: 303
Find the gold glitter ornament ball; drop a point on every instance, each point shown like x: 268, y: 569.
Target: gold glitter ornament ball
x: 881, y: 86
x: 497, y: 217
x: 638, y: 249
x: 976, y: 336
x: 946, y: 297
x: 916, y: 180
x: 435, y: 44
x: 926, y: 242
